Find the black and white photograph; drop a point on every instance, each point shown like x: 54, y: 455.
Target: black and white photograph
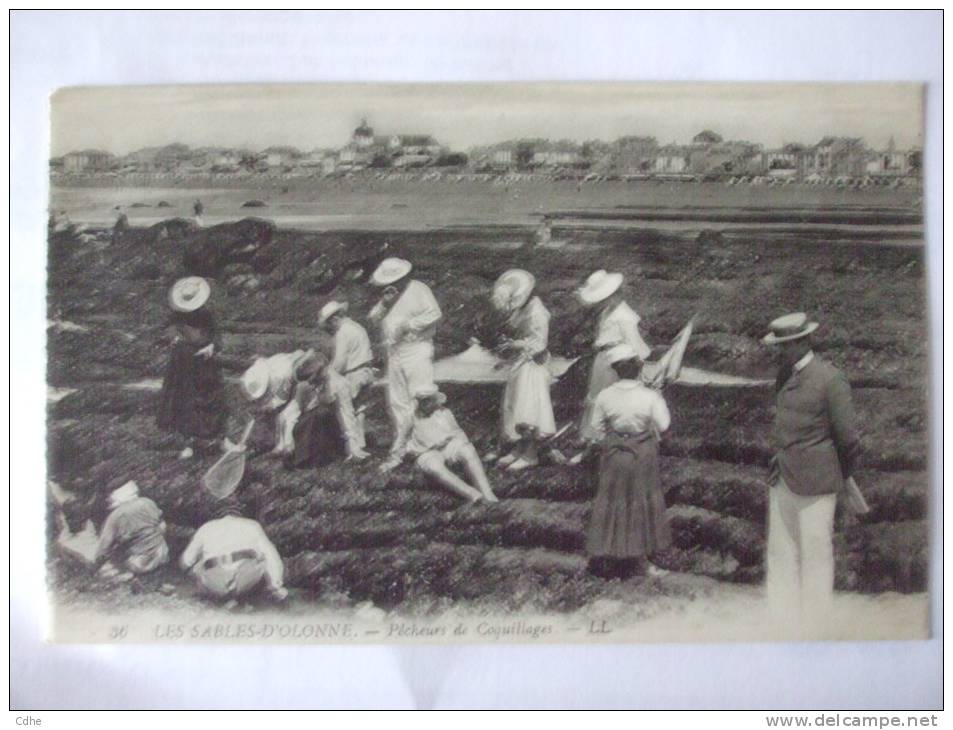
x: 487, y: 362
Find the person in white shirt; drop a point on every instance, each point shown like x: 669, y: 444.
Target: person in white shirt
x: 437, y: 442
x: 230, y: 556
x: 628, y: 525
x: 408, y: 316
x: 269, y: 385
x: 353, y: 363
x: 527, y: 408
x: 618, y: 324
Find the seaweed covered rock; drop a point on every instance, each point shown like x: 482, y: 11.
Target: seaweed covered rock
x: 209, y: 250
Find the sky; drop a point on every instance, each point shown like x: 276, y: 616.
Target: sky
x: 123, y: 119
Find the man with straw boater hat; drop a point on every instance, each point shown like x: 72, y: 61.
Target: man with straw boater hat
x: 351, y: 371
x: 817, y: 446
x: 618, y: 325
x: 408, y: 316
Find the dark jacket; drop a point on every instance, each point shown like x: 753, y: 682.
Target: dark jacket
x: 814, y: 430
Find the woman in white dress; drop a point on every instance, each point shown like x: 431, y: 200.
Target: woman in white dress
x: 527, y: 408
x: 618, y: 325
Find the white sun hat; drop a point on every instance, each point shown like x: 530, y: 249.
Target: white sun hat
x: 599, y: 286
x: 329, y: 310
x: 430, y: 391
x: 621, y: 352
x: 789, y: 327
x: 189, y: 294
x: 512, y: 290
x: 390, y: 270
x: 256, y: 379
x: 125, y: 493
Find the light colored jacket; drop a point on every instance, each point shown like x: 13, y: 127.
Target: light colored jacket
x: 620, y: 325
x: 412, y: 318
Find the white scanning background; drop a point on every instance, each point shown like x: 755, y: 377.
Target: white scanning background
x: 54, y: 49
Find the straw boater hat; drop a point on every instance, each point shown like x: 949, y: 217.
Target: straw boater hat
x: 789, y: 327
x: 256, y: 381
x: 620, y: 353
x: 599, y: 286
x: 329, y: 310
x: 389, y: 271
x: 512, y: 290
x: 125, y: 493
x: 189, y: 294
x: 430, y: 391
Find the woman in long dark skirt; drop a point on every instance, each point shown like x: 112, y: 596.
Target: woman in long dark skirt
x: 628, y: 523
x: 192, y: 401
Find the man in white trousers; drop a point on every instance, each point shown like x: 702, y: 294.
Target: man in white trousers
x: 817, y: 446
x: 408, y: 316
x: 352, y: 362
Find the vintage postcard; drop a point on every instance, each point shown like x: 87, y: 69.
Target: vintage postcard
x: 597, y: 362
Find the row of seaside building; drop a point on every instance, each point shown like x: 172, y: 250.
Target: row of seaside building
x: 627, y: 157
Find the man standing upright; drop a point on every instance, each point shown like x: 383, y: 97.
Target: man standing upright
x: 816, y: 449
x: 408, y: 315
x: 352, y: 371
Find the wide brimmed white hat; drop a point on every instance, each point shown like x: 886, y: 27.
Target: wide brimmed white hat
x: 390, y: 270
x: 512, y: 290
x: 599, y: 286
x: 622, y: 352
x: 329, y: 310
x: 256, y: 379
x: 189, y: 294
x: 789, y: 327
x: 125, y: 493
x: 430, y: 391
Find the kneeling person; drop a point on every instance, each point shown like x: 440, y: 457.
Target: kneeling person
x: 133, y: 536
x: 230, y: 556
x: 438, y: 442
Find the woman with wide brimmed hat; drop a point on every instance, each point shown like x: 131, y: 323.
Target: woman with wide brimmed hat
x: 628, y: 523
x: 192, y: 401
x: 618, y: 324
x: 527, y: 408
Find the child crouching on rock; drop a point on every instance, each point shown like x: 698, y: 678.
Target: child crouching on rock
x: 438, y: 442
x: 133, y: 536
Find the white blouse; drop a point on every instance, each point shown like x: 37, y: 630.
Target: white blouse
x: 620, y: 325
x: 628, y: 406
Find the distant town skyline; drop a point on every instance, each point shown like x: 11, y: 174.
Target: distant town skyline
x: 123, y: 119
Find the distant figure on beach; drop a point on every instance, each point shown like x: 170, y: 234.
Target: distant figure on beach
x: 198, y: 209
x: 120, y: 227
x: 231, y: 556
x: 544, y: 234
x: 408, y: 316
x: 133, y: 536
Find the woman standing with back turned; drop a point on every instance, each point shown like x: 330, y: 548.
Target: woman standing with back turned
x: 628, y: 524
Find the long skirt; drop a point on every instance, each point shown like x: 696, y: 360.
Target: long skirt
x: 192, y: 401
x: 628, y: 514
x: 318, y: 440
x: 526, y: 401
x: 600, y: 377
